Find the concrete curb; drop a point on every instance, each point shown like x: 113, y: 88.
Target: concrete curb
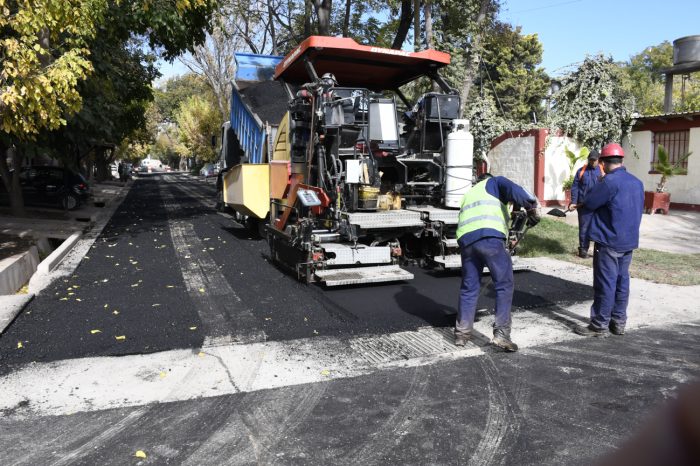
x: 50, y: 263
x: 10, y: 307
x: 16, y: 270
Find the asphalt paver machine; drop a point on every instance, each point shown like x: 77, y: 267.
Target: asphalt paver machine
x: 361, y: 180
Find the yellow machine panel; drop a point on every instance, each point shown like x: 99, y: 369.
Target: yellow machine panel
x: 247, y: 189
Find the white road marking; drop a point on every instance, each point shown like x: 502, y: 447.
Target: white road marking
x: 220, y: 308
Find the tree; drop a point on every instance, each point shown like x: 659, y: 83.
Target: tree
x: 44, y: 57
x: 592, y: 106
x: 646, y: 83
x: 510, y: 61
x: 197, y: 121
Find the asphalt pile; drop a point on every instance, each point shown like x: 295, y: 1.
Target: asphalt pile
x: 268, y: 99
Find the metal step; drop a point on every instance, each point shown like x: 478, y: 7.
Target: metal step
x: 385, y: 219
x: 436, y: 214
x: 454, y: 261
x: 450, y: 242
x: 361, y: 275
x: 347, y: 254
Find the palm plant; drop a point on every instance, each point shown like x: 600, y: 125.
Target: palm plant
x: 573, y: 158
x: 666, y: 169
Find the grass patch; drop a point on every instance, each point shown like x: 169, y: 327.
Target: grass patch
x: 559, y: 240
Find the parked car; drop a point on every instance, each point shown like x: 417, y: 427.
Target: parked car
x: 209, y: 170
x: 51, y: 186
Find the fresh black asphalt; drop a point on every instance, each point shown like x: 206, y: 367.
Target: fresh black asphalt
x: 566, y: 403
x: 130, y: 285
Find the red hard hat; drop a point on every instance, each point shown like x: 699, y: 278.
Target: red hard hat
x: 612, y: 150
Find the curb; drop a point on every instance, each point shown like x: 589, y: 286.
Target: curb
x: 10, y: 307
x: 50, y: 263
x: 15, y: 271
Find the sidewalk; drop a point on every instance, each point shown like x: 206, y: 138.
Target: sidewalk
x: 677, y: 232
x: 54, y: 224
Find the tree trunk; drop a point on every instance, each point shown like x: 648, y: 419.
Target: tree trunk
x: 271, y: 28
x: 102, y: 165
x: 404, y: 24
x: 416, y: 25
x: 473, y: 62
x: 346, y: 19
x: 323, y: 13
x: 12, y: 182
x: 307, y: 18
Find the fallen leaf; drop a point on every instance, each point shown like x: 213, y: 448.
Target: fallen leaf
x: 78, y: 299
x: 70, y: 288
x: 139, y: 453
x: 162, y: 375
x: 193, y: 328
x: 64, y: 299
x: 201, y: 290
x: 20, y: 345
x: 106, y: 306
x: 169, y: 286
x: 120, y: 337
x: 135, y: 284
x: 325, y: 372
x: 95, y: 331
x: 155, y: 305
x: 116, y: 313
x: 200, y: 354
x: 105, y: 280
x: 71, y: 293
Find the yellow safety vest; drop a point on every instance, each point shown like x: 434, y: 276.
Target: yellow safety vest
x: 479, y: 209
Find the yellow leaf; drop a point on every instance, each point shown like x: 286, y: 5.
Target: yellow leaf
x: 193, y: 328
x: 95, y: 331
x: 20, y: 345
x: 169, y: 286
x: 106, y: 306
x: 162, y: 375
x: 115, y: 312
x: 325, y: 372
x: 201, y: 290
x: 121, y: 337
x: 140, y: 454
x: 200, y: 354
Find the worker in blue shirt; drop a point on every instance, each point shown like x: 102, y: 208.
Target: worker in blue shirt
x: 481, y: 234
x: 617, y: 203
x: 585, y: 178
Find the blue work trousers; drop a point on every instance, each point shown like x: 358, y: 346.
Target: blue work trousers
x: 611, y: 286
x: 492, y: 253
x: 585, y: 217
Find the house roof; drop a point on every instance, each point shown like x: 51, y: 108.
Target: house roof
x: 668, y: 121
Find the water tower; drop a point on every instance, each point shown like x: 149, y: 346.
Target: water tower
x: 686, y: 59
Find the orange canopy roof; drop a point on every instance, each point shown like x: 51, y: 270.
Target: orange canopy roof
x: 356, y: 65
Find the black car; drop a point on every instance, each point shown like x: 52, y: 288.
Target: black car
x: 55, y: 186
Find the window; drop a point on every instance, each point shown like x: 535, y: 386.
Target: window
x: 675, y: 142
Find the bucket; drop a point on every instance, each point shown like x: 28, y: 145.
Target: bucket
x: 368, y: 197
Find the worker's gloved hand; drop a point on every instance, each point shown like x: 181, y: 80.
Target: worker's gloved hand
x: 533, y: 216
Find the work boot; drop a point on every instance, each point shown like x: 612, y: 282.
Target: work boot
x: 616, y: 329
x: 461, y: 338
x: 501, y: 339
x: 583, y: 253
x: 590, y: 331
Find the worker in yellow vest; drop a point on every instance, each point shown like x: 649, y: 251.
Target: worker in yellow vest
x: 482, y: 233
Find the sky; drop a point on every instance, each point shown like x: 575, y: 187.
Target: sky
x: 571, y: 29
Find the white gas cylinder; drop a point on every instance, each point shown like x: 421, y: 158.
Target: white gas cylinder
x: 459, y: 157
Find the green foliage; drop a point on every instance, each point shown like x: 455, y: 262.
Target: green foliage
x: 512, y: 62
x: 197, y: 120
x: 645, y: 81
x: 666, y: 169
x: 43, y: 56
x: 592, y: 105
x: 573, y: 158
x: 171, y: 94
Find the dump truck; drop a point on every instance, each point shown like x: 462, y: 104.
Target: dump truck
x: 354, y: 181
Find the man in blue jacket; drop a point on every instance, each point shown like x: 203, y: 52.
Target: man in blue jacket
x: 585, y: 178
x: 617, y: 203
x: 481, y: 234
